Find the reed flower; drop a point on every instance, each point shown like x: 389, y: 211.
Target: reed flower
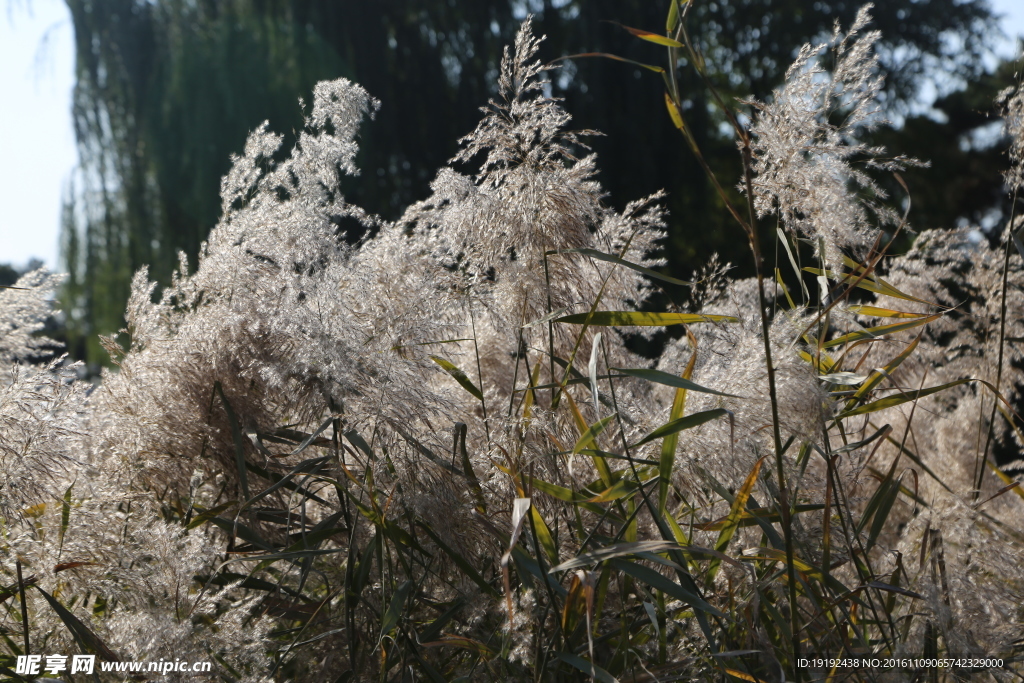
x: 807, y: 158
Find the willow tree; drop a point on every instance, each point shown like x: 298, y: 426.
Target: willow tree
x: 165, y: 92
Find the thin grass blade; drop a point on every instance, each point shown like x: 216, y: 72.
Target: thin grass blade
x: 732, y: 522
x: 602, y: 256
x: 642, y: 319
x: 459, y: 376
x: 683, y: 423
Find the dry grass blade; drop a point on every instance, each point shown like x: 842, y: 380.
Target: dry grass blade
x: 650, y: 37
x: 876, y: 312
x: 236, y: 437
x: 879, y: 332
x: 671, y: 381
x: 519, y: 509
x: 659, y: 582
x: 612, y: 551
x: 395, y: 608
x: 83, y: 635
x: 642, y: 319
x: 673, y: 112
x: 463, y: 643
x: 589, y: 668
x: 459, y: 376
x: 732, y: 522
x: 591, y: 433
x: 606, y: 55
x: 687, y: 422
x: 859, y: 280
x: 903, y: 397
x: 611, y: 258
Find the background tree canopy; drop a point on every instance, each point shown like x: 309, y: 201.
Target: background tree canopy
x: 167, y: 90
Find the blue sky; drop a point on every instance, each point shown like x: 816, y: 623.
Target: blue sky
x: 37, y: 145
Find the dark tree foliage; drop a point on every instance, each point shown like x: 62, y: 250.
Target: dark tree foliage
x: 962, y: 139
x: 8, y: 275
x: 167, y: 89
x: 750, y: 43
